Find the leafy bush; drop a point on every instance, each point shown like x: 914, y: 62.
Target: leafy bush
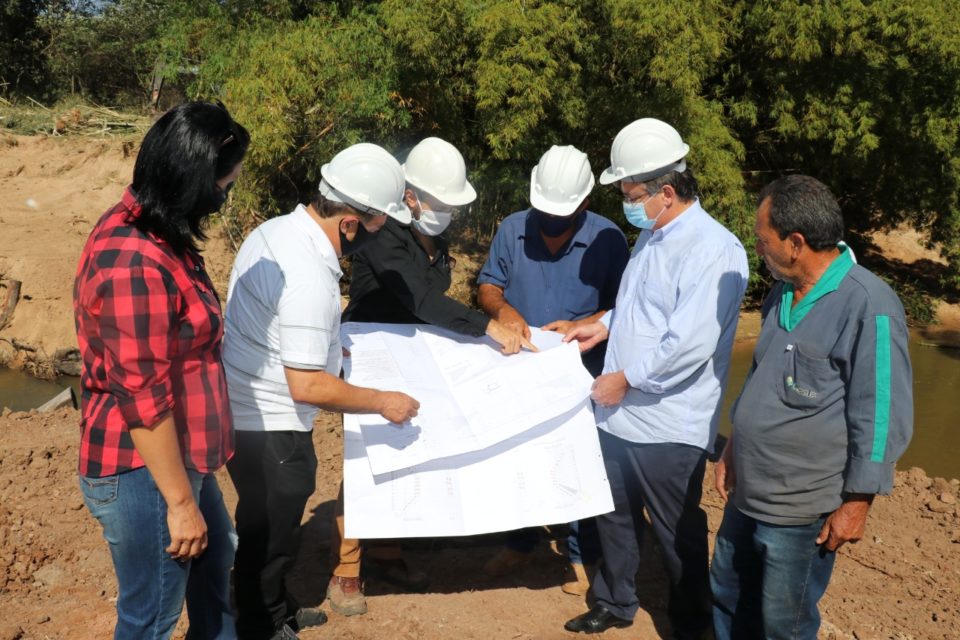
x: 917, y: 302
x: 863, y: 94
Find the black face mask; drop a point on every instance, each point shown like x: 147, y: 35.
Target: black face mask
x: 360, y: 239
x: 553, y: 226
x: 206, y: 208
x: 216, y: 201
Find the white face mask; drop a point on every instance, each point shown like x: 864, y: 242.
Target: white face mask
x: 432, y: 223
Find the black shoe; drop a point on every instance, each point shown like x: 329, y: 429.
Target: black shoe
x: 597, y: 620
x: 306, y: 617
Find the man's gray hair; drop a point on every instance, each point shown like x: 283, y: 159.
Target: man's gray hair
x: 682, y: 182
x: 804, y: 205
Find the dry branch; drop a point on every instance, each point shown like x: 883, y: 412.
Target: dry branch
x: 10, y: 300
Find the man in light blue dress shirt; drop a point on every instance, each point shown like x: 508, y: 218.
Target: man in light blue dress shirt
x: 658, y: 400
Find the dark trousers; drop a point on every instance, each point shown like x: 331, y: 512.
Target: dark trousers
x: 274, y: 473
x: 667, y: 480
x: 583, y: 544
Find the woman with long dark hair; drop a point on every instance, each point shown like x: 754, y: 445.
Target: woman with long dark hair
x: 155, y: 418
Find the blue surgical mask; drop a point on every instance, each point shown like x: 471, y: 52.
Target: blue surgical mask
x: 636, y: 214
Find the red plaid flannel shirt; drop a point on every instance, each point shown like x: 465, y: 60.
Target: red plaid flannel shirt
x: 149, y: 326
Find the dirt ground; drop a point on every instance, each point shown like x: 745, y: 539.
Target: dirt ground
x: 52, y: 191
x: 902, y: 581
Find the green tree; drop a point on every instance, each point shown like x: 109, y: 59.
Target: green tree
x: 502, y: 80
x: 863, y: 95
x: 21, y: 46
x: 666, y: 61
x: 305, y: 89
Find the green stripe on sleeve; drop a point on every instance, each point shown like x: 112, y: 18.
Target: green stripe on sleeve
x: 881, y: 413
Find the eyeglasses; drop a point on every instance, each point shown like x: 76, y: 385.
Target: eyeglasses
x: 641, y: 199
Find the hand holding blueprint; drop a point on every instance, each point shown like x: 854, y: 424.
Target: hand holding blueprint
x: 473, y: 395
x: 501, y: 442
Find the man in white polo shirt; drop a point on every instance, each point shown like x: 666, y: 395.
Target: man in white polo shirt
x: 282, y: 357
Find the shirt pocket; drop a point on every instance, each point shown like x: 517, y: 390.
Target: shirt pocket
x: 807, y: 382
x: 652, y: 307
x: 439, y: 274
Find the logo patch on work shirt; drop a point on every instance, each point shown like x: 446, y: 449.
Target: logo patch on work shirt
x: 806, y: 393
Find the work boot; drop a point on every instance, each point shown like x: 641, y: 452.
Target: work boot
x: 506, y: 562
x: 346, y: 596
x: 397, y: 572
x: 306, y: 617
x: 577, y: 579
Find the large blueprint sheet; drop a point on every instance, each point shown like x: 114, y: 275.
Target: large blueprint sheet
x: 500, y: 442
x: 552, y: 473
x: 471, y: 396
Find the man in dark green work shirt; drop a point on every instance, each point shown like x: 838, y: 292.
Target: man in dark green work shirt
x: 825, y: 412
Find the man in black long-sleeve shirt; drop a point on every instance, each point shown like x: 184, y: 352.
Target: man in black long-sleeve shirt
x: 403, y: 278
x: 397, y: 280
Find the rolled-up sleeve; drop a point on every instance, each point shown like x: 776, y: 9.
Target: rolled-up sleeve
x: 496, y: 270
x: 138, y: 328
x: 879, y: 404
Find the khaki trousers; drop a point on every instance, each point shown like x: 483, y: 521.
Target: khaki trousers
x: 345, y: 553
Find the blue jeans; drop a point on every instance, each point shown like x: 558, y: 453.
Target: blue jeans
x: 767, y: 579
x: 152, y: 585
x: 583, y: 542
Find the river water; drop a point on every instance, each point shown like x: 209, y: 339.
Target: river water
x: 21, y: 392
x: 936, y: 378
x: 936, y: 412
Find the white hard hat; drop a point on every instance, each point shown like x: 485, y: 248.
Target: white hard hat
x: 643, y: 150
x: 435, y: 166
x: 366, y: 177
x: 560, y: 181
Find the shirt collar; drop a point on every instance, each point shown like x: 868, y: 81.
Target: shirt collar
x: 321, y: 242
x: 130, y: 202
x: 790, y: 315
x: 683, y: 220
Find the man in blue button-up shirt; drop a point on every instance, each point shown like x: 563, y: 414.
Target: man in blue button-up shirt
x: 658, y: 400
x: 554, y: 266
